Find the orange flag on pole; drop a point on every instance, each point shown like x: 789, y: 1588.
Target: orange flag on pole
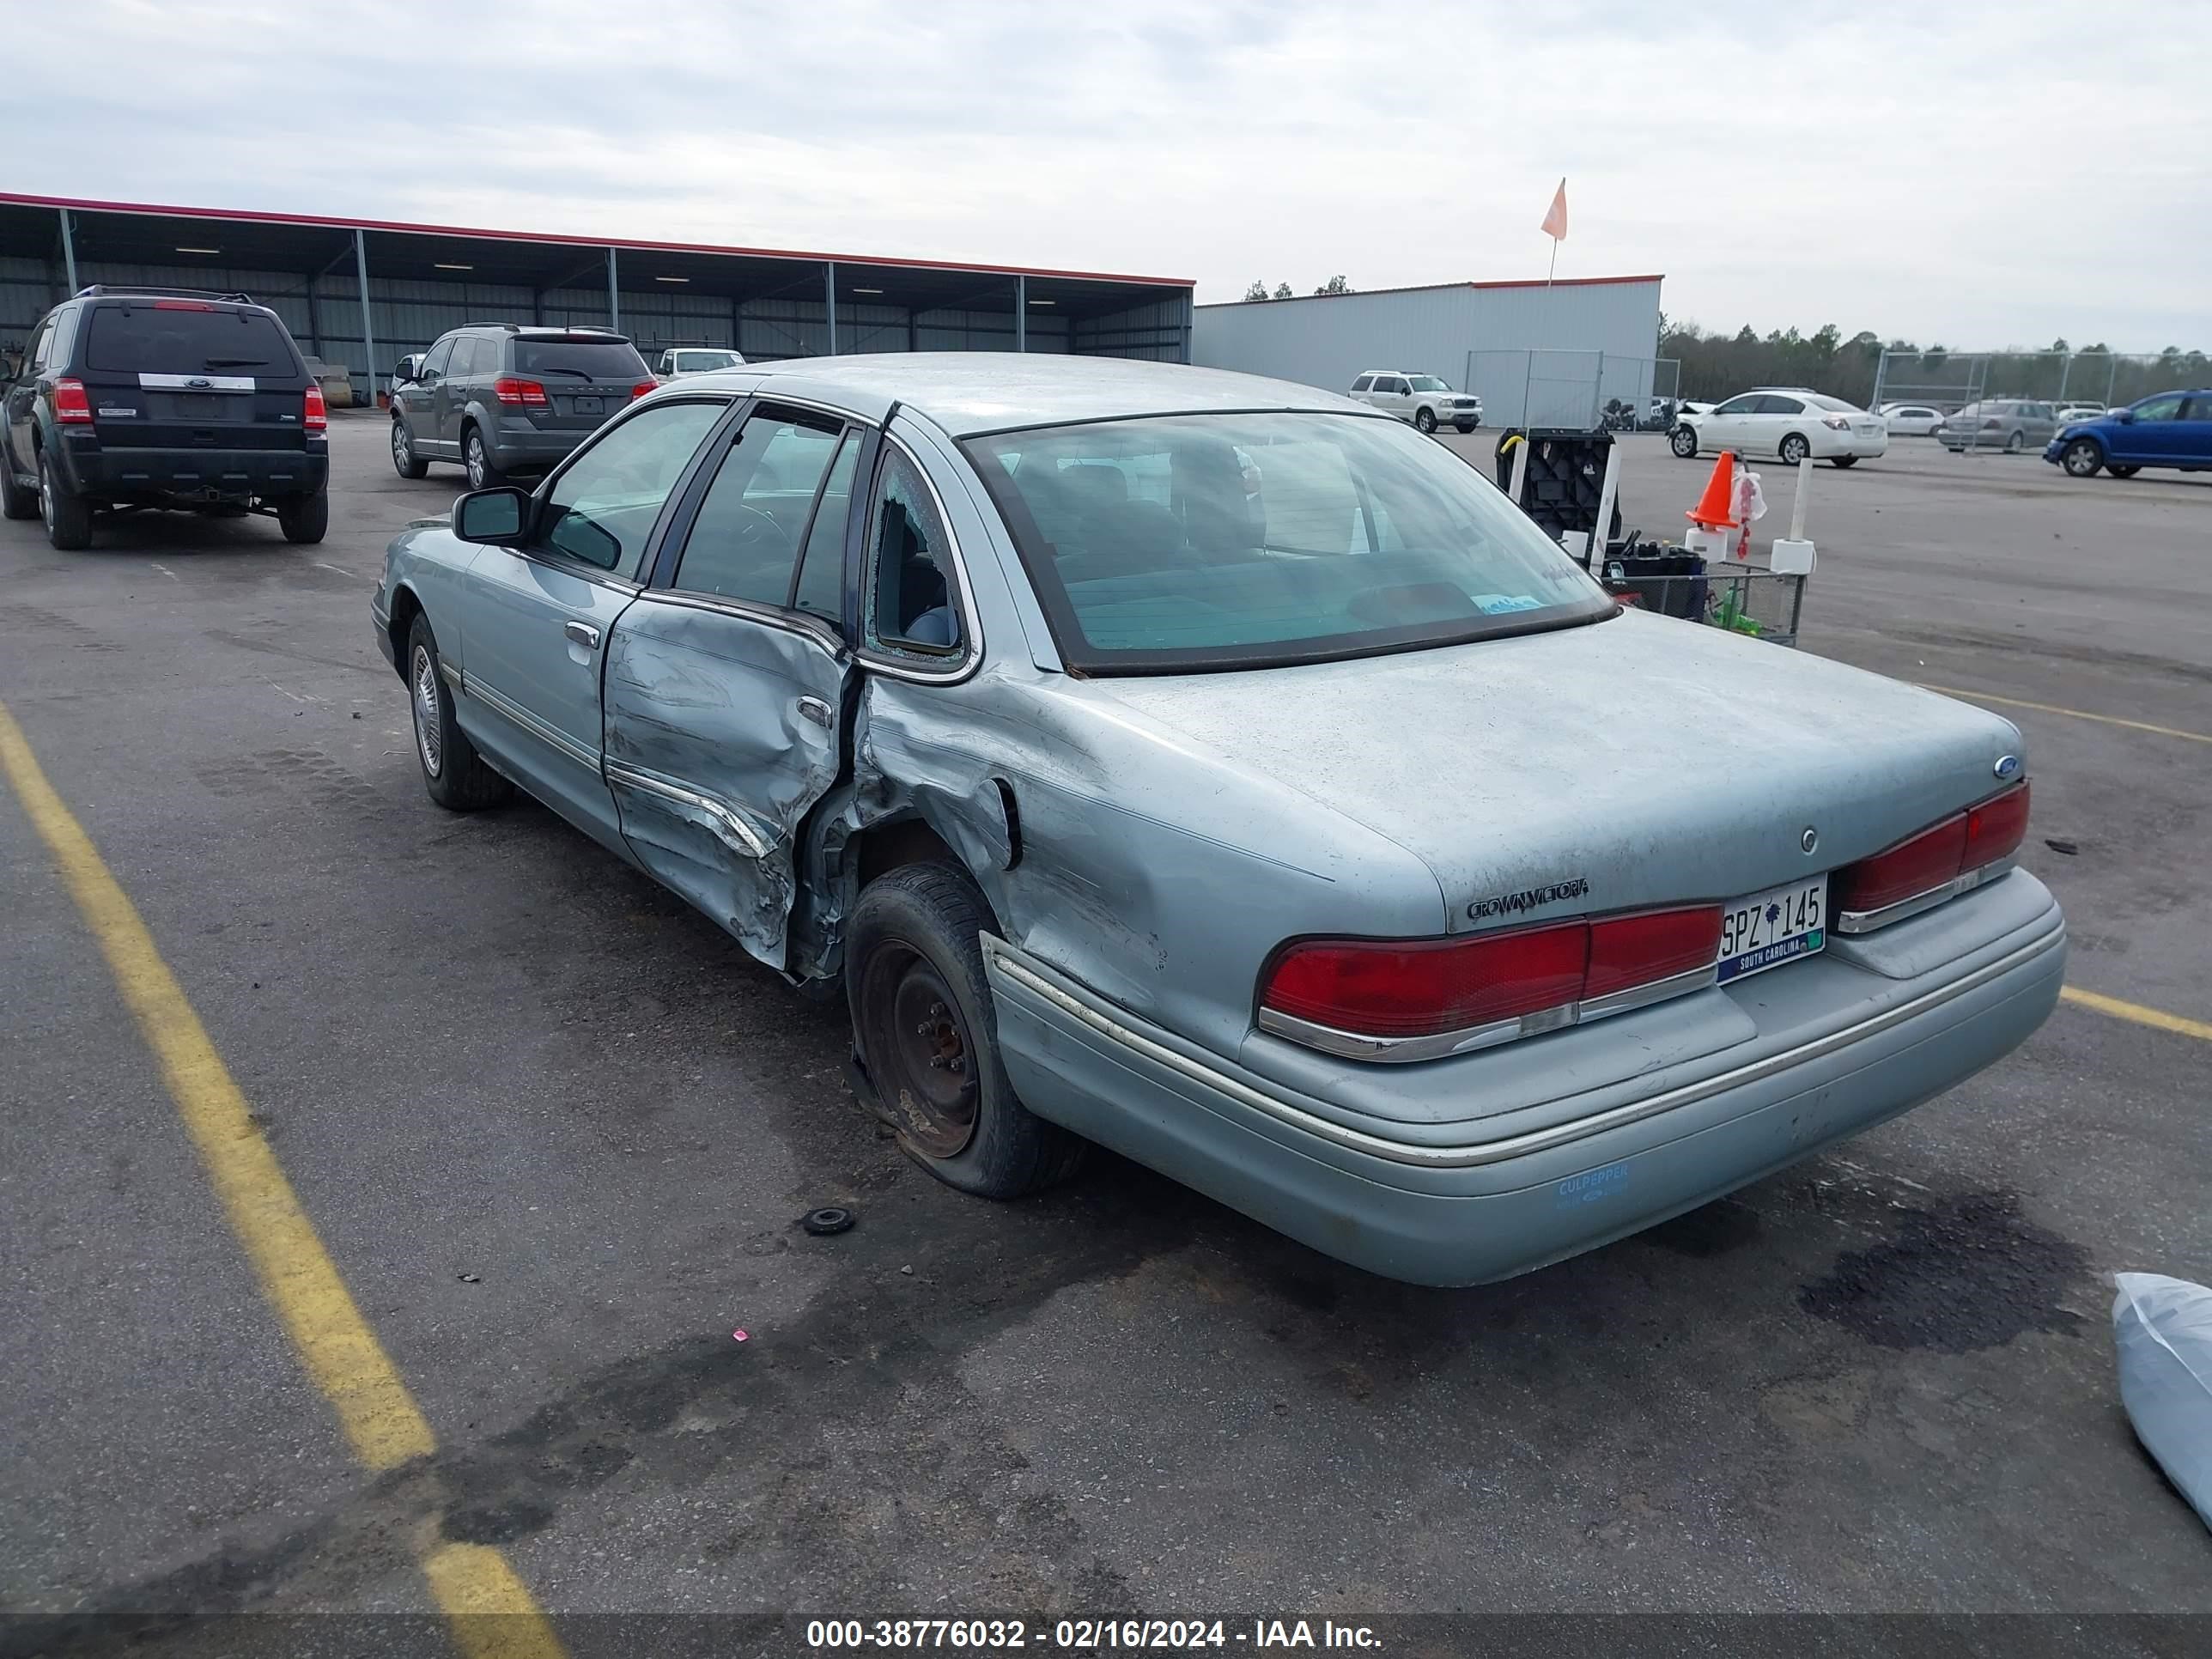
x: 1555, y: 221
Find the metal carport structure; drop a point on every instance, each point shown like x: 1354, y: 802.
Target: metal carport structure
x: 360, y: 293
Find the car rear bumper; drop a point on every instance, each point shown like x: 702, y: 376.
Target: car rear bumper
x: 518, y: 443
x: 1485, y: 1198
x: 183, y: 477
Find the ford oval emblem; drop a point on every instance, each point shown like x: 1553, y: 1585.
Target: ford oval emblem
x: 2007, y: 766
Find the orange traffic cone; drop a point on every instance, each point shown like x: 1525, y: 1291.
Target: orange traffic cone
x: 1716, y: 508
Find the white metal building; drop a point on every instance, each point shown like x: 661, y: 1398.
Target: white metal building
x: 1537, y: 353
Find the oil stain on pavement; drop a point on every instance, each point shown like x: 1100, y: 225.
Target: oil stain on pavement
x: 1962, y: 1273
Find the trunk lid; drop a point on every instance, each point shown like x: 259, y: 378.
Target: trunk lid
x: 1631, y: 762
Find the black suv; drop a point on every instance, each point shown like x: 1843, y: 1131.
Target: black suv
x: 132, y: 398
x: 503, y: 398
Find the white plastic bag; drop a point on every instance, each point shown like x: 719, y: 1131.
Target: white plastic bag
x: 2162, y: 1329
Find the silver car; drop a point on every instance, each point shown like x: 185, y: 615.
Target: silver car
x: 1210, y: 767
x: 2010, y: 424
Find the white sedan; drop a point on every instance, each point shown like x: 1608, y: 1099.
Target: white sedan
x: 1789, y: 424
x: 1912, y: 420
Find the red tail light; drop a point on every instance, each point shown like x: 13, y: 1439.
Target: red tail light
x: 71, y: 407
x: 641, y: 388
x: 509, y: 390
x: 1945, y: 858
x: 1366, y: 995
x: 317, y: 418
x: 182, y: 305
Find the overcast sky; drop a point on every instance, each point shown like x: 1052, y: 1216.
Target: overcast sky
x: 1980, y: 175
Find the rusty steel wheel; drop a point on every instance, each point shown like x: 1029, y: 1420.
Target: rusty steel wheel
x: 925, y: 1036
x: 928, y: 1076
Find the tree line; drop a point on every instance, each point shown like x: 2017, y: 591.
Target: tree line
x: 1334, y: 285
x: 1717, y: 365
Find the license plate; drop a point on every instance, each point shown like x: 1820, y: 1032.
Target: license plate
x: 587, y: 406
x: 1767, y: 929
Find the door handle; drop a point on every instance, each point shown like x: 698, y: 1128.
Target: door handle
x: 583, y: 634
x: 816, y: 710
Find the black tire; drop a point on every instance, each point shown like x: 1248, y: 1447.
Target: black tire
x: 475, y: 460
x: 305, y: 519
x: 1425, y: 420
x: 926, y: 1035
x: 2082, y: 458
x: 404, y: 461
x: 16, y: 501
x: 2015, y: 443
x: 1794, y: 449
x: 453, y: 771
x: 2130, y: 471
x: 1843, y: 460
x: 68, y: 518
x: 1683, y: 441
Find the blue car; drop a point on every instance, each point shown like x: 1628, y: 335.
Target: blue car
x: 2168, y: 428
x: 1219, y: 770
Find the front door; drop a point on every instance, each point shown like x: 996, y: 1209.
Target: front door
x: 726, y: 681
x: 1728, y: 425
x: 536, y: 616
x: 414, y: 401
x: 2155, y: 436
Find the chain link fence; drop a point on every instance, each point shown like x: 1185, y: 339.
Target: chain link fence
x: 1948, y: 381
x: 1583, y: 390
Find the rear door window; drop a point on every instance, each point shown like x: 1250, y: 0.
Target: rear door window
x: 188, y: 337
x: 821, y: 589
x: 744, y: 543
x: 910, y: 607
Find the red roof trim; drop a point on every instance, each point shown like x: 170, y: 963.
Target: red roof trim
x: 403, y: 228
x: 1434, y: 287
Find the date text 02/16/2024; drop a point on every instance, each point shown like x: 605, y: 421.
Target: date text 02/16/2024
x: 1086, y: 1634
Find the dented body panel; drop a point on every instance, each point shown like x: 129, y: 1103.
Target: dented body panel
x: 1144, y: 843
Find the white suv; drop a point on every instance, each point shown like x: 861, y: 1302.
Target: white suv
x: 1423, y: 399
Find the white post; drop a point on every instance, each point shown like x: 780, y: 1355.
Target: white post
x: 1602, y: 537
x: 1793, y: 557
x: 1519, y: 471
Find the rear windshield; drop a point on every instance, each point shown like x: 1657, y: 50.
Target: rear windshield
x: 150, y: 340
x: 1820, y: 400
x: 581, y: 359
x: 707, y: 360
x: 1234, y: 541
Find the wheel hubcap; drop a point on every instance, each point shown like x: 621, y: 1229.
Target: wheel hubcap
x: 918, y: 1044
x: 400, y: 451
x: 45, y: 496
x: 428, y: 737
x: 476, y: 462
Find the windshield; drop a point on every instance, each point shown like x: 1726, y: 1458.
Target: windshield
x: 1235, y: 541
x: 1429, y: 383
x: 584, y: 359
x: 188, y: 339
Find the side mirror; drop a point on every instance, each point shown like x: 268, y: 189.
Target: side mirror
x: 492, y: 517
x: 403, y: 369
x: 2125, y: 417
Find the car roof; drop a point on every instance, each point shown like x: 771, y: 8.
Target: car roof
x: 968, y: 392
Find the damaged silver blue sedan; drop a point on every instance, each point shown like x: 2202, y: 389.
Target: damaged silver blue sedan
x: 1215, y: 769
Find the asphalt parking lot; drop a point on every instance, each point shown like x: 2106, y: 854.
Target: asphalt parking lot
x: 554, y: 1130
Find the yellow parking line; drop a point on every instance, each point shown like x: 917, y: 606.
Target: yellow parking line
x: 341, y: 1353
x: 2157, y: 1018
x: 2075, y: 713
